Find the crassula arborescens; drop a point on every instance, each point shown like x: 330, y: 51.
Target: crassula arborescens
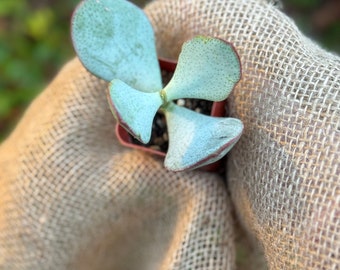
x: 115, y: 41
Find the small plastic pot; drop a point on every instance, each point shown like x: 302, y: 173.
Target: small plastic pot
x: 218, y: 109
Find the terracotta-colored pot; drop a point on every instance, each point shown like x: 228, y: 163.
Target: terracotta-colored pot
x: 218, y: 109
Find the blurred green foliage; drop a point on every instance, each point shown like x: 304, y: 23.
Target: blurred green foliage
x: 318, y: 19
x: 35, y: 43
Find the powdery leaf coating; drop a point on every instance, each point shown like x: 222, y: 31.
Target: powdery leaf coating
x: 196, y: 140
x: 208, y: 68
x: 115, y: 40
x: 134, y: 109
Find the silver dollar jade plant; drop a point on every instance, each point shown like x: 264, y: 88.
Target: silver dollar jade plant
x: 115, y: 41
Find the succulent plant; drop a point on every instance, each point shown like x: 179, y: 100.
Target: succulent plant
x: 115, y: 41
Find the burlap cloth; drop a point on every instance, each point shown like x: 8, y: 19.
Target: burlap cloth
x: 72, y: 198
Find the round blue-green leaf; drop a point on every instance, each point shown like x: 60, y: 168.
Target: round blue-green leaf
x: 208, y: 68
x: 196, y: 140
x: 115, y: 40
x: 134, y: 110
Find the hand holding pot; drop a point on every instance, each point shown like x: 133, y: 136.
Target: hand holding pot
x: 284, y: 173
x: 71, y: 197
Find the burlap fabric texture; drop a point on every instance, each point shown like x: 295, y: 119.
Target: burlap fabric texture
x: 72, y: 198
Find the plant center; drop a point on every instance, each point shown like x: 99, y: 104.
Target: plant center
x: 162, y: 93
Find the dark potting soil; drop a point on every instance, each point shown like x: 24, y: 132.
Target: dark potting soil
x: 159, y: 135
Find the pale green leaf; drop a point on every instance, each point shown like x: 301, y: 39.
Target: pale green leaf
x: 208, y: 68
x: 115, y: 40
x: 134, y: 109
x: 196, y: 140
